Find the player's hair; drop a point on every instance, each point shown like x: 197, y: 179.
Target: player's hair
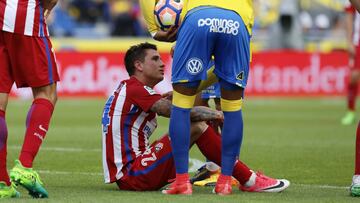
x: 134, y: 53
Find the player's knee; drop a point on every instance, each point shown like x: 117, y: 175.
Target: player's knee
x: 228, y: 86
x: 3, y: 101
x: 230, y: 93
x: 54, y: 98
x: 46, y: 92
x: 197, y: 128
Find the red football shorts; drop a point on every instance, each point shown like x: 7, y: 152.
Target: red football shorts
x: 27, y: 61
x: 356, y: 62
x: 151, y: 170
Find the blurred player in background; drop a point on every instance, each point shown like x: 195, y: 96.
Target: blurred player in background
x: 353, y: 37
x: 26, y: 59
x: 129, y: 119
x: 355, y: 185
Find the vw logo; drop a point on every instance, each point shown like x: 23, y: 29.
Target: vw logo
x: 194, y: 66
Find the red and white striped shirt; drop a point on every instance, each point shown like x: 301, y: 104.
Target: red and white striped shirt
x: 24, y: 17
x: 127, y: 124
x: 356, y: 28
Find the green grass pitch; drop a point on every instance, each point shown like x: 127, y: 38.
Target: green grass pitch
x: 300, y: 139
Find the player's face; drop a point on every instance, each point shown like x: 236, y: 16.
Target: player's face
x: 153, y: 66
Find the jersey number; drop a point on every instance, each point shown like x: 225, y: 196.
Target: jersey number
x: 144, y: 161
x: 105, y: 121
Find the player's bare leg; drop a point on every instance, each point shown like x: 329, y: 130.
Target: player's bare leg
x: 37, y: 123
x: 7, y: 189
x: 350, y: 116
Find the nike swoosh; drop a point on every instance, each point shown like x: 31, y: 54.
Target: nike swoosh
x: 280, y: 185
x: 42, y: 128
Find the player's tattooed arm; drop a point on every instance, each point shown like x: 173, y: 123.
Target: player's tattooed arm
x: 203, y: 113
x: 162, y: 107
x: 199, y: 113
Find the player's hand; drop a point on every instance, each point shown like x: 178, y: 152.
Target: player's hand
x: 48, y: 6
x: 219, y: 118
x: 167, y: 36
x: 168, y: 95
x: 216, y: 124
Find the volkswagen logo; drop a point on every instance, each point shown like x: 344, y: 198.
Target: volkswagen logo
x: 194, y: 66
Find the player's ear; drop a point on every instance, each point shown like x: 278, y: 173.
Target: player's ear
x: 138, y: 66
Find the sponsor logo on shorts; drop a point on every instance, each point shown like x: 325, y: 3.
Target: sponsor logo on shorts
x: 194, y: 66
x: 240, y: 76
x: 219, y: 25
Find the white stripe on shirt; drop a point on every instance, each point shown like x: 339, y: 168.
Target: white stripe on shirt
x: 30, y: 14
x: 116, y: 131
x: 10, y: 15
x: 135, y: 132
x: 104, y: 160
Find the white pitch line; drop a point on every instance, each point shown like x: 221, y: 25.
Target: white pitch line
x: 61, y: 149
x: 194, y: 165
x: 69, y: 173
x: 321, y: 186
x: 100, y: 174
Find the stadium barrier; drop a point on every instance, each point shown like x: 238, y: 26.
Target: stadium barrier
x: 94, y: 71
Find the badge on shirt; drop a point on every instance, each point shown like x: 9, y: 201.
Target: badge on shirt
x: 150, y: 90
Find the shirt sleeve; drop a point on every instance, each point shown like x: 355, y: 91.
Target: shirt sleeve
x: 144, y: 97
x: 147, y: 9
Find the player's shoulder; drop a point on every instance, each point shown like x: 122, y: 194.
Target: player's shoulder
x: 136, y: 88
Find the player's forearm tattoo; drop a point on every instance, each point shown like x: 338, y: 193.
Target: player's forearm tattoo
x: 202, y: 113
x: 198, y: 113
x: 162, y: 107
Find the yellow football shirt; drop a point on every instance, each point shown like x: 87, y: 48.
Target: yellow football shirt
x: 243, y: 7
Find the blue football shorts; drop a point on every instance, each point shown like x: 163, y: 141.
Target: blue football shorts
x: 207, y: 32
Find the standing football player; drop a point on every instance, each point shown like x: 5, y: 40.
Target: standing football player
x: 352, y: 29
x: 28, y: 60
x: 129, y: 119
x: 210, y: 28
x: 355, y: 185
